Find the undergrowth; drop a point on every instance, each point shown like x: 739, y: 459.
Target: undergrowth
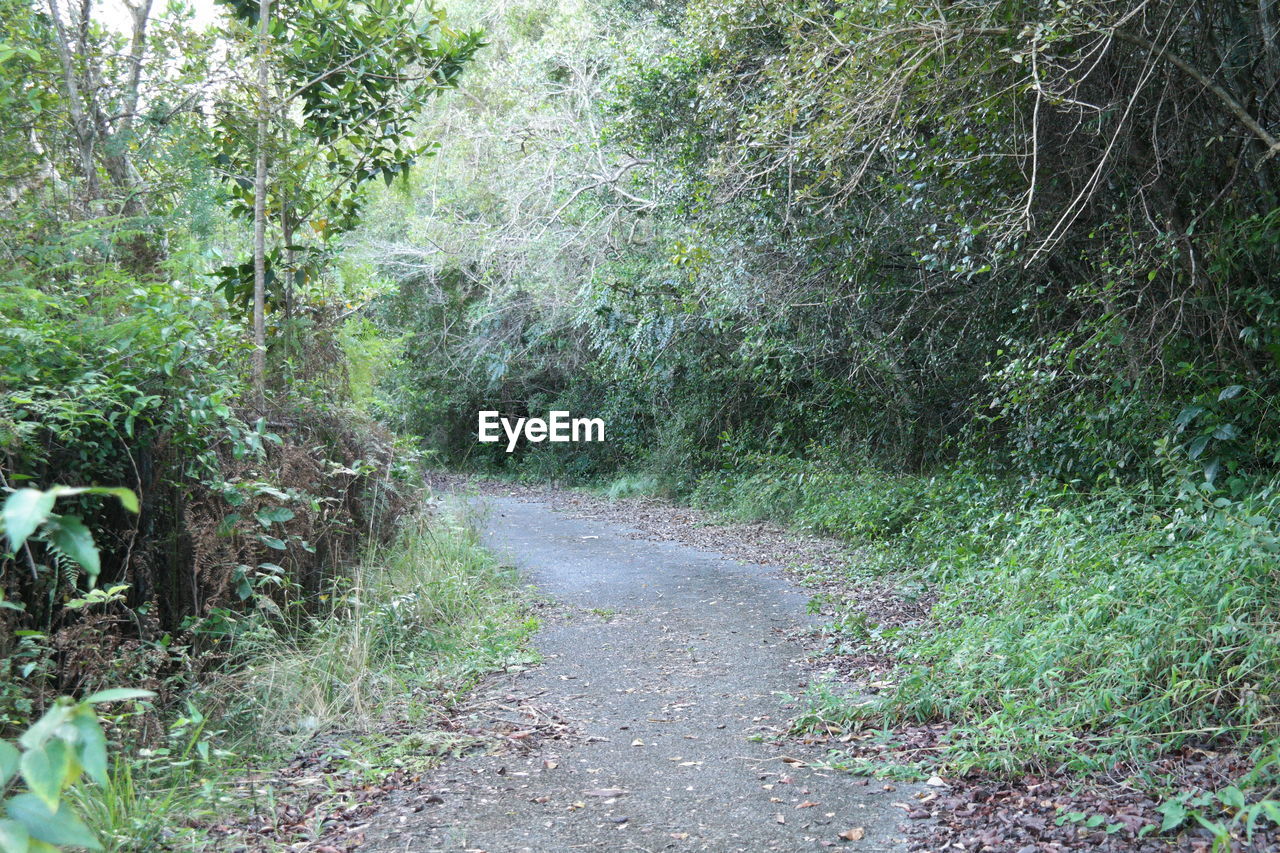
x: 415, y: 625
x: 1071, y: 628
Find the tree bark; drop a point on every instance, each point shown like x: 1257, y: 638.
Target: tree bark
x: 1267, y: 23
x: 119, y: 163
x: 81, y: 125
x: 260, y: 212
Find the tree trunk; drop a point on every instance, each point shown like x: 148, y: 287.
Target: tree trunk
x: 290, y: 258
x: 82, y: 127
x: 260, y: 213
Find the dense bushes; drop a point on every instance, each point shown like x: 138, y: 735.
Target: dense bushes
x: 733, y: 225
x: 121, y: 365
x: 138, y: 383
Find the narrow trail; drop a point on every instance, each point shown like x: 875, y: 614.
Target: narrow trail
x: 664, y: 662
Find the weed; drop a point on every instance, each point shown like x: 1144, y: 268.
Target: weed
x: 1071, y: 629
x: 418, y: 623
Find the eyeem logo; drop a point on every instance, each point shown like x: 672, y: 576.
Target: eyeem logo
x: 558, y: 427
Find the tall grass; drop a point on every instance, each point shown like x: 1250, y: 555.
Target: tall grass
x: 1074, y: 628
x: 427, y: 614
x: 413, y: 626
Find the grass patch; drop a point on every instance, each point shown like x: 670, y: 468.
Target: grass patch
x: 1085, y: 629
x: 413, y: 628
x: 632, y: 486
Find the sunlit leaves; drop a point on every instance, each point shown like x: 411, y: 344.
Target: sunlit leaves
x: 24, y: 511
x: 348, y: 81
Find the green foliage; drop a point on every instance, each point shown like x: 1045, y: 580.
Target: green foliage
x: 347, y: 83
x: 25, y: 510
x: 426, y: 614
x: 67, y: 741
x: 1229, y: 812
x: 911, y: 254
x: 1071, y: 629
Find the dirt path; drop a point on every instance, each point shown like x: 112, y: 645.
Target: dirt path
x: 669, y: 667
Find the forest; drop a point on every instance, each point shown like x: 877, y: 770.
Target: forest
x: 985, y: 291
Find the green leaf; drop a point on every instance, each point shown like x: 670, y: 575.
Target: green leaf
x: 92, y: 746
x: 69, y: 535
x: 1232, y: 797
x: 42, y: 729
x: 126, y: 496
x: 9, y: 758
x: 275, y: 514
x: 272, y: 542
x: 61, y: 827
x: 1175, y: 813
x: 117, y: 694
x: 1187, y: 415
x: 44, y: 769
x: 24, y: 511
x: 14, y: 837
x: 1231, y: 391
x: 1197, y: 446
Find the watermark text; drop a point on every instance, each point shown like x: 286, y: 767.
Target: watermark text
x: 558, y: 426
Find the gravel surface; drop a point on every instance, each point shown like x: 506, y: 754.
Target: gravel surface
x: 669, y: 666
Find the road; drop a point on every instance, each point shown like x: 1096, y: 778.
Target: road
x: 671, y: 667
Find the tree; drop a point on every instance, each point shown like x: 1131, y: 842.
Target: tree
x: 338, y: 89
x: 99, y: 135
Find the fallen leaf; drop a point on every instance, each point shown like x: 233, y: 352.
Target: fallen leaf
x: 936, y: 782
x: 855, y: 834
x: 605, y: 792
x: 637, y: 742
x: 780, y: 818
x: 549, y: 765
x: 808, y: 804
